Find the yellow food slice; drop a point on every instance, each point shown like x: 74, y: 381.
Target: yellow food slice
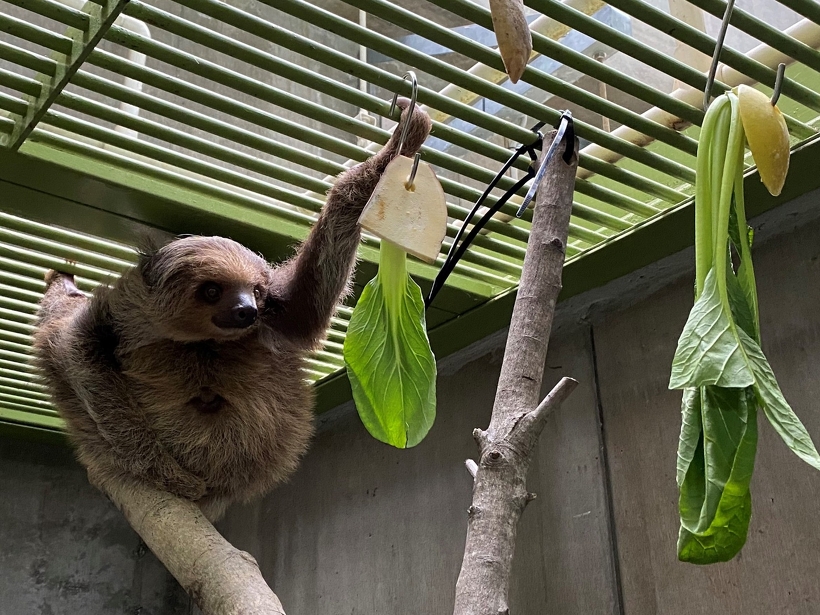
x: 513, y: 35
x: 767, y: 135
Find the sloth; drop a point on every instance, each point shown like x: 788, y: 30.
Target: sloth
x: 186, y: 374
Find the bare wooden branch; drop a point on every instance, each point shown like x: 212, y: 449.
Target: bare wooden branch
x: 555, y: 398
x: 472, y: 467
x: 499, y: 489
x: 221, y: 579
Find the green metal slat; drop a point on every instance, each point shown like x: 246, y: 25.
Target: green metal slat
x: 373, y: 74
x: 256, y: 116
x: 124, y: 255
x: 98, y: 263
x: 763, y: 32
x: 32, y: 402
x: 230, y: 106
x: 539, y: 79
x: 12, y: 104
x: 56, y: 11
x: 20, y: 317
x: 19, y: 83
x: 353, y: 32
x: 170, y: 55
x: 203, y: 96
x: 17, y: 338
x: 599, y: 217
x: 35, y: 34
x: 481, y: 16
x: 224, y: 130
x: 630, y: 178
x: 807, y: 8
x: 214, y: 126
x: 51, y: 262
x: 27, y: 389
x: 16, y: 367
x: 82, y: 43
x: 19, y: 360
x: 199, y: 144
x: 14, y: 346
x: 616, y: 199
x: 696, y: 39
x: 17, y: 327
x: 27, y: 414
x: 23, y: 306
x: 6, y: 126
x: 22, y: 283
x: 27, y: 59
x: 587, y: 235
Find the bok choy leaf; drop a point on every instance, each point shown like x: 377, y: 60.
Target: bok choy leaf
x: 719, y: 362
x: 389, y: 361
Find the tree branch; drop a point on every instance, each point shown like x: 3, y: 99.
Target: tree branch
x: 499, y: 490
x: 221, y: 579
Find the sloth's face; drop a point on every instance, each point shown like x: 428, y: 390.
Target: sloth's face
x: 207, y: 288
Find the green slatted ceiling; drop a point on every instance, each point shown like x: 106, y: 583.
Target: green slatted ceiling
x: 234, y: 103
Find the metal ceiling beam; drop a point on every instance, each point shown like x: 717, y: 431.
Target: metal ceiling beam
x: 100, y: 18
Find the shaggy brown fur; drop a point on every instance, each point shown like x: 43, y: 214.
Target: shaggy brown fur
x: 162, y: 379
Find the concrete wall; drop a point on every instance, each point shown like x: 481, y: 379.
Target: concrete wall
x: 64, y: 549
x: 367, y: 529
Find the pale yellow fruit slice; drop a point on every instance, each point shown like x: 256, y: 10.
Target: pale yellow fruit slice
x: 513, y: 35
x: 412, y: 217
x: 767, y: 135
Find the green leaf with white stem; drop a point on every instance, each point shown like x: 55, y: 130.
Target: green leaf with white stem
x: 389, y: 361
x: 715, y: 500
x: 777, y: 409
x: 709, y: 351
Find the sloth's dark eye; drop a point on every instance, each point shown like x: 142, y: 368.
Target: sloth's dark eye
x: 257, y: 293
x: 210, y: 292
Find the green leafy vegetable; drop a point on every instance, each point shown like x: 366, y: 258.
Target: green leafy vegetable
x: 719, y: 363
x: 391, y: 367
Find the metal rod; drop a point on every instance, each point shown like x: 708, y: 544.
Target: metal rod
x: 721, y: 38
x: 778, y: 83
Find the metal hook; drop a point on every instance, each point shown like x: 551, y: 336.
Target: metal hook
x: 408, y: 185
x: 710, y: 80
x: 414, y: 84
x: 778, y: 82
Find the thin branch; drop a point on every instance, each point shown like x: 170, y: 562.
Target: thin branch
x: 555, y: 398
x: 472, y: 467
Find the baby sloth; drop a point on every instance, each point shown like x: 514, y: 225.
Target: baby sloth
x: 186, y: 374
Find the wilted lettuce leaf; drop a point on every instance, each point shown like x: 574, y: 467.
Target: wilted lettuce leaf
x: 715, y: 501
x: 709, y: 351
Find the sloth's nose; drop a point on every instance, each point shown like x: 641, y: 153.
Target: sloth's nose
x: 242, y: 315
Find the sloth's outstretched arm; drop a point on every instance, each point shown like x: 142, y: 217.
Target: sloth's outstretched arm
x: 306, y: 290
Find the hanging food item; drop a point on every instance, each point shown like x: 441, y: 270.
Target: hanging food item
x: 719, y: 363
x: 513, y: 35
x: 767, y: 135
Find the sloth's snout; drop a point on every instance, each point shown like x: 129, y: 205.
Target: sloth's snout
x: 242, y: 315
